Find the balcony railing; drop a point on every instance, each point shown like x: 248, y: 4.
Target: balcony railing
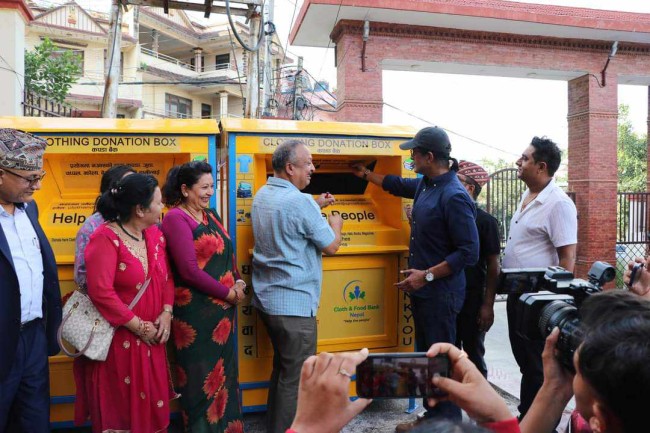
x: 174, y: 115
x: 166, y: 58
x: 38, y: 106
x: 188, y: 66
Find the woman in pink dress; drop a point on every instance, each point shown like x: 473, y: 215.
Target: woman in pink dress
x: 131, y: 390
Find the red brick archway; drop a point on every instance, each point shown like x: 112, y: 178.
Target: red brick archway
x: 495, y: 37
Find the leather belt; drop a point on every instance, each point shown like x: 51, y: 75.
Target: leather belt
x: 26, y: 325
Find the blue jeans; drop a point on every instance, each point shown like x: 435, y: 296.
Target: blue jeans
x: 435, y: 322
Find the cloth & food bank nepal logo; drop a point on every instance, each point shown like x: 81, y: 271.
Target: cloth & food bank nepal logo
x: 352, y: 291
x: 356, y: 307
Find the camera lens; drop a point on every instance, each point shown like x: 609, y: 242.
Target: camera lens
x: 564, y: 316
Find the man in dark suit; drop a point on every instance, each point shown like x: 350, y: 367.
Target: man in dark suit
x: 30, y: 298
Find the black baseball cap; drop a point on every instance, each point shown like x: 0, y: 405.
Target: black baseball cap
x: 432, y: 138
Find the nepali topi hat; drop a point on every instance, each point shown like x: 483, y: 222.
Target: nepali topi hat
x: 21, y: 150
x: 474, y: 171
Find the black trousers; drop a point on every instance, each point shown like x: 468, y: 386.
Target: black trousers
x: 294, y: 340
x: 435, y: 322
x: 528, y: 355
x: 25, y: 392
x: 468, y: 336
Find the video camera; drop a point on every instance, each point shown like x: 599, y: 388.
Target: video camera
x: 550, y: 297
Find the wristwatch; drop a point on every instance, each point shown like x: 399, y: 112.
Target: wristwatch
x: 366, y: 172
x: 428, y: 275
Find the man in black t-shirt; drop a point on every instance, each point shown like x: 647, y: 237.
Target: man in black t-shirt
x: 477, y: 315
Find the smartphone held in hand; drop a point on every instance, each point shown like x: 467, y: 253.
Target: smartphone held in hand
x: 400, y: 375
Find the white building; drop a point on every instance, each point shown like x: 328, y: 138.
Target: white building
x: 171, y: 65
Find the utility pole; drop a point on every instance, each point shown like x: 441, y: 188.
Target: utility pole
x: 269, y: 93
x: 113, y: 56
x: 253, y: 81
x: 297, y: 92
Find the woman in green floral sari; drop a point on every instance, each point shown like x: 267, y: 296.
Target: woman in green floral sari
x: 207, y: 289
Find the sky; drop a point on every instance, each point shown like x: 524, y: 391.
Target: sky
x: 487, y: 117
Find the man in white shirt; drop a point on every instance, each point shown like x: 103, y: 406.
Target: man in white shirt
x: 543, y: 232
x: 30, y: 298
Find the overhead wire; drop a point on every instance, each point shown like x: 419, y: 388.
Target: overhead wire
x: 236, y: 33
x: 428, y: 122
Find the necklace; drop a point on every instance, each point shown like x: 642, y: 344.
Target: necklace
x: 129, y: 234
x: 197, y: 219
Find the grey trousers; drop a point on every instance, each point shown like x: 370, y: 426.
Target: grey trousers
x: 294, y: 340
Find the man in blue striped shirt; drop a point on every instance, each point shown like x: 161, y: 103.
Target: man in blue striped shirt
x: 290, y: 236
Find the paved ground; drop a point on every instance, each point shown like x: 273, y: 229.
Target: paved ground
x: 382, y: 416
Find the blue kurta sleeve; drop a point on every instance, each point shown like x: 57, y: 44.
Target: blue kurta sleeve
x: 400, y: 186
x: 460, y: 213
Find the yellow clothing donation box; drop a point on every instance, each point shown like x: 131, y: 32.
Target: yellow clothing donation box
x: 359, y: 306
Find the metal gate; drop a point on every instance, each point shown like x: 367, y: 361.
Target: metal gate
x: 632, y: 231
x: 503, y: 193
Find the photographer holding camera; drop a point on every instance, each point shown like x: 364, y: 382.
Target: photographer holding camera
x: 612, y: 380
x: 543, y: 232
x: 638, y: 272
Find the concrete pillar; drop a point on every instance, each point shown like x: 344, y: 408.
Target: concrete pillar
x: 358, y: 93
x: 155, y: 46
x: 198, y: 59
x: 14, y: 15
x: 648, y: 157
x: 592, y: 118
x: 223, y: 104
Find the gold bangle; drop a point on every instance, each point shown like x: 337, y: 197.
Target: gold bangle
x: 168, y: 310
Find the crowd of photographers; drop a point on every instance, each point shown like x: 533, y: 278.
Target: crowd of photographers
x: 611, y: 382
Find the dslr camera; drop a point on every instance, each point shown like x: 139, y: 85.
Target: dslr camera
x: 550, y: 297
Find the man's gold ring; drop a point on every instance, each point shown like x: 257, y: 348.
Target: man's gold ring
x: 344, y: 372
x: 462, y: 355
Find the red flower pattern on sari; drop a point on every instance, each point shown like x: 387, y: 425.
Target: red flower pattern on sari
x: 181, y: 377
x: 235, y: 427
x: 183, y: 334
x: 218, y: 406
x: 206, y: 246
x: 222, y: 331
x: 227, y: 279
x: 215, y: 379
x: 182, y: 296
x: 225, y: 305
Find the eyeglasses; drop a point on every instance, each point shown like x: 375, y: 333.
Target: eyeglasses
x: 33, y: 180
x: 419, y: 150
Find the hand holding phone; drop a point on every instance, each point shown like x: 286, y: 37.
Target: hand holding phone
x: 400, y: 375
x: 467, y: 387
x: 324, y: 405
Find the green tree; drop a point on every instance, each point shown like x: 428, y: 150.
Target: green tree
x: 632, y: 152
x: 50, y: 71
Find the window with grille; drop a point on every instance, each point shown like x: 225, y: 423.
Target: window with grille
x: 176, y: 106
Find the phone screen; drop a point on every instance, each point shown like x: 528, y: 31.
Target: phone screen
x: 400, y: 375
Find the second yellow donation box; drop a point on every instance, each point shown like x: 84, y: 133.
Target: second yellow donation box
x: 359, y: 306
